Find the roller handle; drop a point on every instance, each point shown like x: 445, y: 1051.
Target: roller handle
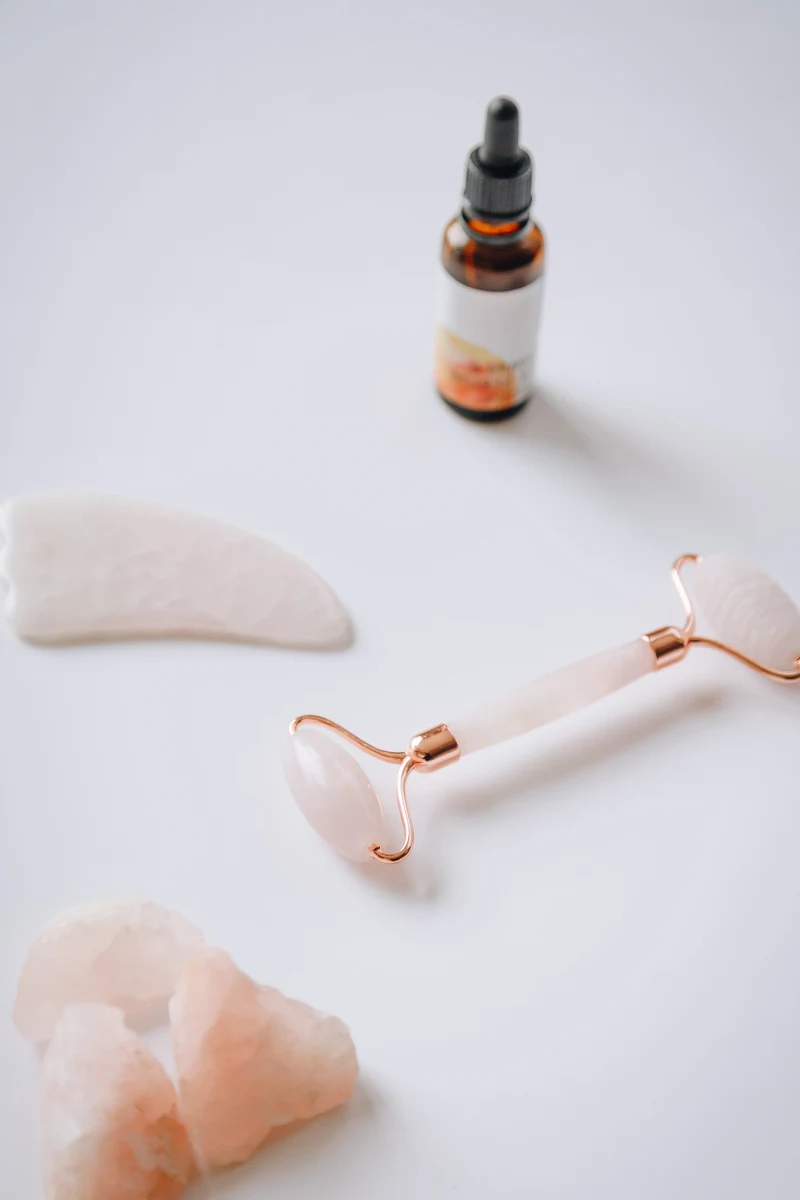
x: 552, y: 696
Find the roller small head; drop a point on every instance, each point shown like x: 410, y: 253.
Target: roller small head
x: 333, y: 793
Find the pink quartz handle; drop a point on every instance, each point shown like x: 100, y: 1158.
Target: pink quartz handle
x: 552, y: 696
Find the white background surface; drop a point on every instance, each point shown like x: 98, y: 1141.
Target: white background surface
x: 219, y: 229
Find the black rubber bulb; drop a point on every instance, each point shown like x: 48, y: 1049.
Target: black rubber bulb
x: 500, y: 150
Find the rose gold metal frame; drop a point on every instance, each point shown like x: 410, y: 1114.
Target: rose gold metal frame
x: 426, y: 752
x: 671, y: 644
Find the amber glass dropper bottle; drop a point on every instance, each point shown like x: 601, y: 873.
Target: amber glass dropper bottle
x: 491, y: 285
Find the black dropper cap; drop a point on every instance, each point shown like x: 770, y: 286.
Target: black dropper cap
x: 499, y: 180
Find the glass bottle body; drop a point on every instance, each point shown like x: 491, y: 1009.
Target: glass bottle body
x: 486, y: 336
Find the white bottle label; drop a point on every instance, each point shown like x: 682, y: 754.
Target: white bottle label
x: 486, y: 344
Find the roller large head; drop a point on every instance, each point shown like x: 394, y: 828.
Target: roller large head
x: 748, y: 610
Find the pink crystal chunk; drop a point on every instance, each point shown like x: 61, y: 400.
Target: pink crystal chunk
x: 333, y: 793
x: 249, y: 1060
x: 127, y: 953
x: 109, y: 1118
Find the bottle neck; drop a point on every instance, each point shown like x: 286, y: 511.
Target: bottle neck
x: 495, y: 230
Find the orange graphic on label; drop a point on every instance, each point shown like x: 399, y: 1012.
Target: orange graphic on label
x: 471, y: 376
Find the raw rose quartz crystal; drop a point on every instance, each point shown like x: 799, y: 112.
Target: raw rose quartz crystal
x: 109, y: 1116
x: 126, y: 953
x: 249, y: 1060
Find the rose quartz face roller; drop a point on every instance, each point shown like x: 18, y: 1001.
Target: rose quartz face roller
x: 757, y: 623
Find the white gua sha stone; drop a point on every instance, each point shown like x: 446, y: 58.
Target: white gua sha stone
x: 90, y: 568
x: 760, y: 626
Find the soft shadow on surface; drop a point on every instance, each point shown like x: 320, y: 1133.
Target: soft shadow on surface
x: 528, y: 781
x: 554, y: 419
x: 293, y: 1143
x: 657, y: 484
x: 414, y: 877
